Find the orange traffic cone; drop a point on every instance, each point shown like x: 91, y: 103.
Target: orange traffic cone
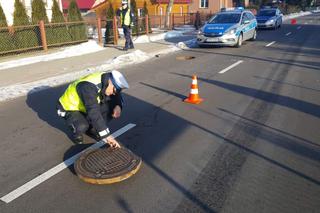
x: 194, y: 97
x: 293, y: 21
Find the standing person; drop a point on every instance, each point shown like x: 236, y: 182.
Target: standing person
x: 126, y: 21
x: 197, y: 21
x: 90, y: 102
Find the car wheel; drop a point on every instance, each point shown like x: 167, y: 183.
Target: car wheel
x: 240, y: 40
x: 254, y: 37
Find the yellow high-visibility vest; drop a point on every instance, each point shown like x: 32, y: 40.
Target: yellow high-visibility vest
x: 126, y: 20
x: 71, y: 101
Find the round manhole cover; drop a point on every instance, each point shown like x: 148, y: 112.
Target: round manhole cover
x: 107, y: 165
x: 185, y: 57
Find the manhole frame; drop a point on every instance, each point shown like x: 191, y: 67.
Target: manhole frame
x: 185, y: 57
x: 110, y: 180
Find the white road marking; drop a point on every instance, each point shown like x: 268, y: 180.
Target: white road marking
x: 268, y: 45
x: 55, y: 170
x: 289, y: 33
x: 230, y: 67
x: 298, y: 28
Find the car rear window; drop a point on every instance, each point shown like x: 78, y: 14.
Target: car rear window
x: 225, y: 18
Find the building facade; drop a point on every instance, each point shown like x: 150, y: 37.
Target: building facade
x: 155, y: 7
x: 158, y: 7
x: 8, y: 8
x: 209, y: 6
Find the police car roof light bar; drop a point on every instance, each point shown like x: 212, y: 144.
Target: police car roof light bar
x: 224, y: 9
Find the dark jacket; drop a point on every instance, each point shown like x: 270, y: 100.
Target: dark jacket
x: 88, y: 93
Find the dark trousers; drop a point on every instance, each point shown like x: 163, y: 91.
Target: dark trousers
x: 79, y: 123
x: 127, y: 35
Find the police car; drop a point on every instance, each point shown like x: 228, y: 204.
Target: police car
x: 230, y: 27
x: 269, y: 18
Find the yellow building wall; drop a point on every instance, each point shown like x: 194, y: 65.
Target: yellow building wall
x: 162, y: 8
x: 153, y: 9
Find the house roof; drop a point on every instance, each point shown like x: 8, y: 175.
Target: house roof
x: 97, y: 3
x: 82, y: 4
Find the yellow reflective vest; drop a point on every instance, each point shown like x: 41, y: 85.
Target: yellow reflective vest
x: 71, y: 101
x: 126, y: 20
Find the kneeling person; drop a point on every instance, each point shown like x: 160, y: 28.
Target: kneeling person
x: 90, y: 102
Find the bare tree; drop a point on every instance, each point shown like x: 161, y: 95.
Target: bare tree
x: 168, y: 13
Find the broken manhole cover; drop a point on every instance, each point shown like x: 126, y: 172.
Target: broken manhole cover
x: 107, y: 165
x: 185, y: 57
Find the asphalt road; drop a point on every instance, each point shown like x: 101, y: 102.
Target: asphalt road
x: 253, y: 145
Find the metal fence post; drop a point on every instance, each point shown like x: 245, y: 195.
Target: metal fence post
x: 99, y: 31
x: 160, y: 21
x: 172, y: 20
x: 43, y: 36
x: 115, y: 31
x: 147, y: 24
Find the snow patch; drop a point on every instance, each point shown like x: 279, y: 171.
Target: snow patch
x: 66, y: 52
x: 138, y: 56
x: 182, y: 45
x: 295, y: 15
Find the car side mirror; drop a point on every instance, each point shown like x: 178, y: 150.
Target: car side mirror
x: 246, y: 22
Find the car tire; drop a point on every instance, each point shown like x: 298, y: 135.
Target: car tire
x: 254, y: 37
x: 240, y: 40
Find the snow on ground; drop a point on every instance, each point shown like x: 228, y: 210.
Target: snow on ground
x: 295, y: 15
x: 160, y: 36
x: 85, y: 48
x: 138, y: 56
x: 66, y: 52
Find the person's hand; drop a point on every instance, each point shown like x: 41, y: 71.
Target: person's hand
x: 112, y: 142
x: 116, y: 112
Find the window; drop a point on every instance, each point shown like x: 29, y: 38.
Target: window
x: 140, y: 12
x: 251, y: 17
x: 245, y: 17
x: 267, y: 13
x: 225, y: 18
x: 161, y: 11
x: 204, y: 3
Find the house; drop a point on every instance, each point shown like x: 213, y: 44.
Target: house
x: 209, y: 6
x: 8, y: 8
x: 155, y: 7
x: 84, y: 5
x: 238, y: 3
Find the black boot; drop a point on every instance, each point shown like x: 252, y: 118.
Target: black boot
x: 93, y: 134
x: 77, y: 138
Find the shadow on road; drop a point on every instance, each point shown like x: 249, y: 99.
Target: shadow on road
x: 44, y: 104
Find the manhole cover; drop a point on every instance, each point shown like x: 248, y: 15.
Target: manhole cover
x: 107, y: 165
x: 185, y: 57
